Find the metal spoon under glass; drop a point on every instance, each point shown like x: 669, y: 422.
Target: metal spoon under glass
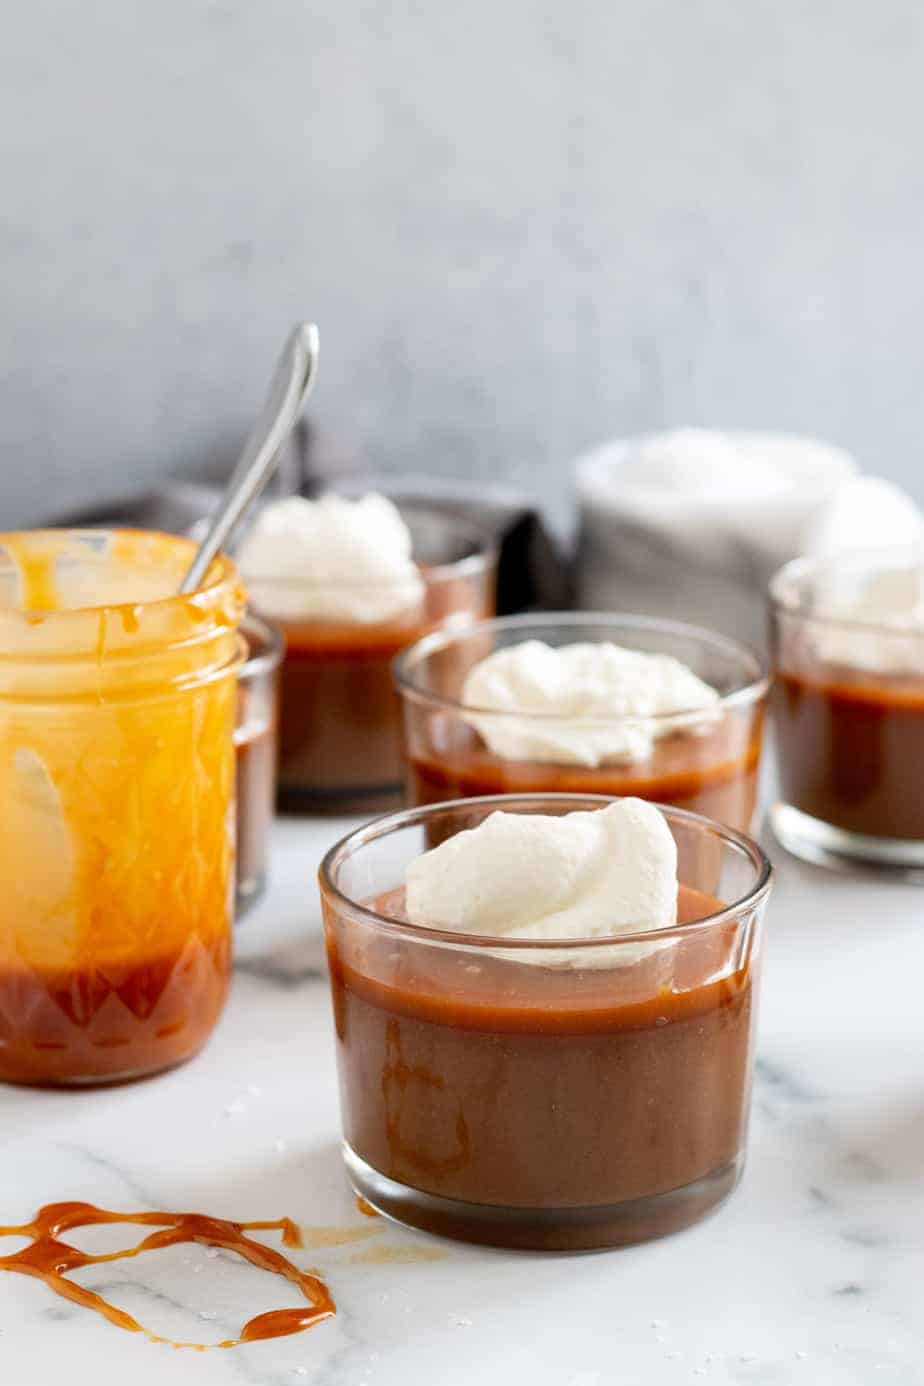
x: 292, y: 383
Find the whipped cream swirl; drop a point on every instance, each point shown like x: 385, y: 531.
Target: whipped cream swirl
x: 582, y: 875
x: 331, y: 559
x: 592, y: 703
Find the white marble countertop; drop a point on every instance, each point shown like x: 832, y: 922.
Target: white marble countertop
x: 812, y: 1273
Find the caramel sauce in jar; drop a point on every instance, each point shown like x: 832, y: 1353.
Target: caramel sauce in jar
x: 117, y: 700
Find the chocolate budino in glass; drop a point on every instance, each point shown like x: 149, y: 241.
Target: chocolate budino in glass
x: 707, y: 762
x: 848, y: 704
x: 538, y: 1094
x: 339, y: 718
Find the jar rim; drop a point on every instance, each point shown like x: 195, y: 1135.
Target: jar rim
x: 221, y: 572
x: 117, y: 650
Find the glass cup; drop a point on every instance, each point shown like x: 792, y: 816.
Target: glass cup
x: 117, y: 702
x: 339, y: 717
x: 543, y: 1094
x: 848, y: 702
x: 708, y: 765
x: 255, y: 747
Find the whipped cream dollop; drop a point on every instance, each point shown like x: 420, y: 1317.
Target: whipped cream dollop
x: 583, y: 875
x: 331, y: 559
x: 891, y: 604
x: 559, y: 693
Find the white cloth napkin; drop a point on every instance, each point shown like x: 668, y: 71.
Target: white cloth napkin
x: 692, y: 524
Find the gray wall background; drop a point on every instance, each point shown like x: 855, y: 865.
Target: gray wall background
x: 521, y: 226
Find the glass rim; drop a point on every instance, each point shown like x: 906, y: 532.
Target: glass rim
x: 388, y: 823
x: 270, y: 657
x: 408, y: 660
x: 486, y: 550
x: 221, y: 572
x: 806, y: 566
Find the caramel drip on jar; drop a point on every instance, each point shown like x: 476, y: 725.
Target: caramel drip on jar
x: 49, y: 1258
x: 37, y: 567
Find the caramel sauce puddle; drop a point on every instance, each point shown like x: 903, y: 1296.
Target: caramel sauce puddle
x: 49, y: 1259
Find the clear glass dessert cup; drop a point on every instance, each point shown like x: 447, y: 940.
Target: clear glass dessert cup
x: 708, y: 764
x: 549, y: 1095
x: 117, y: 706
x: 339, y: 717
x: 255, y: 751
x: 848, y: 709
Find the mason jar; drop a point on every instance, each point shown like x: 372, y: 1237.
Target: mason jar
x: 117, y: 706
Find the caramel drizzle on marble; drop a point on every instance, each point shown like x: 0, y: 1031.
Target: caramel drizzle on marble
x: 49, y: 1259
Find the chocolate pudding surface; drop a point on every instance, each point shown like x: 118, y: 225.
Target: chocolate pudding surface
x: 713, y: 773
x: 851, y: 749
x: 525, y: 1086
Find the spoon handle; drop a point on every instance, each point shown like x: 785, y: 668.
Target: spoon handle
x: 292, y: 383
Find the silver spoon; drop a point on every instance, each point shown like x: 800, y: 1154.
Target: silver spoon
x: 291, y: 385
